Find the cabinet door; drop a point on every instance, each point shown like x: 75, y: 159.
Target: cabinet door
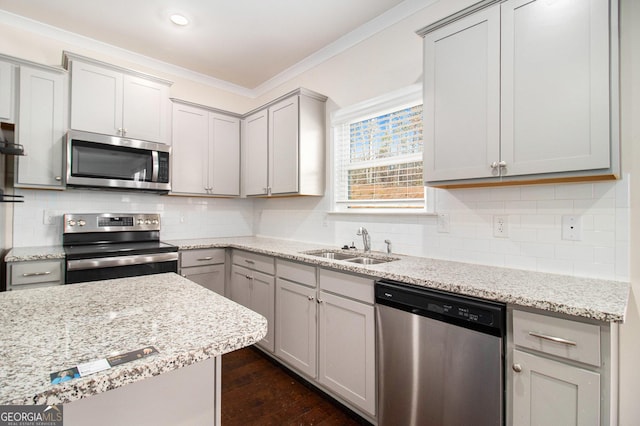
x: 96, y: 99
x: 224, y: 155
x: 296, y: 326
x: 347, y: 350
x: 144, y: 111
x: 263, y: 302
x: 211, y: 277
x: 555, y: 86
x: 255, y: 153
x: 189, y: 150
x: 548, y: 392
x: 283, y: 146
x: 240, y: 286
x: 462, y: 98
x: 41, y: 128
x: 7, y: 99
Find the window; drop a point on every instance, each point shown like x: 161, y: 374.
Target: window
x: 378, y: 154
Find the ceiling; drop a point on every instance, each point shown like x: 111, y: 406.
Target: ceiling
x: 242, y: 42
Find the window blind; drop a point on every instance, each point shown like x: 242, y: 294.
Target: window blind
x: 378, y: 160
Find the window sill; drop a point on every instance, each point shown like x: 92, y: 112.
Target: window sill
x: 363, y: 212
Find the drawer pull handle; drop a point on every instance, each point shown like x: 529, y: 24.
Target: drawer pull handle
x: 204, y: 259
x: 36, y: 274
x: 250, y: 262
x: 553, y: 339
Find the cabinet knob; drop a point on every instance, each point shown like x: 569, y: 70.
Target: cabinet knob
x: 310, y: 297
x: 498, y: 164
x: 320, y: 300
x: 58, y: 178
x: 517, y: 368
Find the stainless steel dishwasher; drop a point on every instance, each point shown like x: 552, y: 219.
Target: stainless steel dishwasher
x: 440, y: 357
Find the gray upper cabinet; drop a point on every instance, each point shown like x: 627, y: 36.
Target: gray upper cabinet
x: 7, y: 99
x: 284, y: 146
x: 206, y: 151
x: 114, y: 101
x: 522, y: 91
x: 41, y: 127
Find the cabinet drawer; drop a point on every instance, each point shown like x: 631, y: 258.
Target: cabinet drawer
x: 201, y: 257
x: 359, y: 288
x: 36, y: 272
x: 564, y: 338
x: 297, y: 272
x: 257, y: 262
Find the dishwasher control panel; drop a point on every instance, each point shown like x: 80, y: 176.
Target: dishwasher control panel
x: 440, y: 305
x: 461, y: 311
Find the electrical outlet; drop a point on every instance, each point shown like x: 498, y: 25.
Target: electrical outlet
x: 571, y: 227
x: 444, y: 225
x: 500, y: 226
x: 49, y: 217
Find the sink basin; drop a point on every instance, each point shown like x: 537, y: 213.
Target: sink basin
x: 368, y: 260
x: 358, y: 257
x: 327, y: 254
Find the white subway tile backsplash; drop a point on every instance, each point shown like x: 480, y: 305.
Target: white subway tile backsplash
x: 583, y: 191
x: 538, y: 192
x: 534, y: 214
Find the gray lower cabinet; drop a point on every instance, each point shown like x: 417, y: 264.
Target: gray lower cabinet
x: 35, y: 273
x: 252, y: 285
x: 560, y: 370
x: 325, y: 328
x: 205, y: 267
x: 296, y: 316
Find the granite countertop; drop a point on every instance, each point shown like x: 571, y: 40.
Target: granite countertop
x: 46, y: 330
x: 602, y: 300
x: 598, y: 299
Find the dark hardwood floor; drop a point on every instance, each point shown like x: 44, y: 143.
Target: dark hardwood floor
x: 258, y: 391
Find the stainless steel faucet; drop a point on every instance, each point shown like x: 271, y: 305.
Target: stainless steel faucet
x: 366, y: 239
x: 388, y: 243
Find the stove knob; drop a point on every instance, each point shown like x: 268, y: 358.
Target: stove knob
x: 155, y: 221
x: 140, y: 221
x: 147, y: 222
x: 72, y: 222
x: 82, y: 222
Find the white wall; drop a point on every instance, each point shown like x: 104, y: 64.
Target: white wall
x: 630, y: 129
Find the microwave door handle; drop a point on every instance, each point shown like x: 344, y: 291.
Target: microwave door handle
x: 155, y: 167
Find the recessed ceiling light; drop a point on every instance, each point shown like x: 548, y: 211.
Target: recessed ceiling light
x: 179, y: 19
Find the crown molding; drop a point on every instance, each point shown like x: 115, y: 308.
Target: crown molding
x: 365, y: 31
x: 385, y: 20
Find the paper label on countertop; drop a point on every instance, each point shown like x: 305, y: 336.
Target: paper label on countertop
x: 96, y: 366
x: 93, y: 367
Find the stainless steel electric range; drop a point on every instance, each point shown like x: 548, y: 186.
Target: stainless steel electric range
x: 102, y: 246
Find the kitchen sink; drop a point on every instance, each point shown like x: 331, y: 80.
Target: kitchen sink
x: 335, y: 255
x: 358, y: 257
x: 369, y: 260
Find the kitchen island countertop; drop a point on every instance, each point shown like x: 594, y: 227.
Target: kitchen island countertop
x: 47, y: 330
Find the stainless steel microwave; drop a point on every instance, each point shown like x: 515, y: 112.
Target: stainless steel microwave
x: 95, y: 160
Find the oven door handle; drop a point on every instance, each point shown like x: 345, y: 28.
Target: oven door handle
x: 110, y: 262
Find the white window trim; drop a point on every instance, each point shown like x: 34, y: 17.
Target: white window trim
x: 380, y: 105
